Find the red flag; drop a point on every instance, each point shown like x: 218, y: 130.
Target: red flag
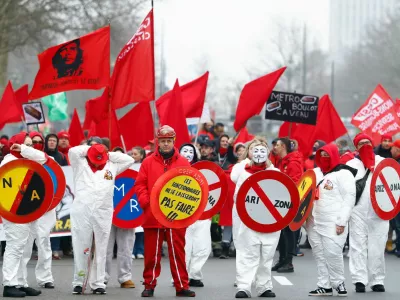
x: 377, y: 116
x: 244, y: 136
x: 102, y: 129
x: 329, y: 127
x: 97, y: 109
x: 287, y: 129
x: 133, y: 78
x: 254, y: 96
x: 193, y: 97
x: 11, y: 110
x: 80, y: 64
x: 174, y: 116
x: 75, y: 130
x: 21, y: 95
x: 143, y: 129
x: 397, y: 107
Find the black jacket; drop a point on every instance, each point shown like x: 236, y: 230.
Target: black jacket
x: 58, y: 157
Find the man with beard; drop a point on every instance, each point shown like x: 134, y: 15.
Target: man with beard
x: 383, y: 149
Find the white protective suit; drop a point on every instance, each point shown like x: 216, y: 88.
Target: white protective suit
x: 336, y: 200
x: 92, y: 211
x: 368, y: 235
x: 197, y: 247
x: 254, y: 250
x: 18, y: 235
x: 41, y: 229
x: 125, y: 239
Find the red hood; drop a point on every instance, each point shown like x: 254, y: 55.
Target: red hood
x: 18, y: 138
x: 333, y: 152
x: 33, y: 134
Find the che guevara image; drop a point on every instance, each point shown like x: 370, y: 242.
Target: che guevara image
x: 68, y: 60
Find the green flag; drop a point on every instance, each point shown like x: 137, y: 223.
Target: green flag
x: 57, y: 105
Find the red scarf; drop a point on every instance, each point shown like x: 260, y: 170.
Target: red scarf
x: 255, y: 168
x: 223, y: 151
x: 367, y: 156
x: 93, y: 167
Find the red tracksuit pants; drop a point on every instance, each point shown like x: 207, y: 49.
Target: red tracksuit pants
x: 153, y: 239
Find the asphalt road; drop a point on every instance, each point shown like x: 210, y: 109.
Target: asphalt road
x: 219, y: 276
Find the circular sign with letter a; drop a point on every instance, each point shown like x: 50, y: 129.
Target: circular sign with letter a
x: 127, y: 211
x: 267, y: 201
x: 26, y: 191
x: 385, y: 189
x: 59, y: 182
x: 217, y: 187
x: 179, y: 197
x: 307, y: 188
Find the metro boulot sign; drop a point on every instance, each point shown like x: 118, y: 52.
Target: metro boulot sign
x: 292, y: 107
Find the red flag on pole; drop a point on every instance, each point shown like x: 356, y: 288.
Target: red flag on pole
x: 102, y: 129
x: 133, y: 78
x: 244, y: 136
x: 174, y: 116
x: 137, y: 126
x: 329, y: 127
x: 83, y: 63
x: 21, y: 95
x: 75, y: 130
x: 254, y: 96
x: 9, y: 108
x: 377, y: 116
x: 193, y: 97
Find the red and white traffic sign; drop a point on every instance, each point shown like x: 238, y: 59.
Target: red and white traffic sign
x: 267, y: 201
x: 217, y: 187
x: 385, y: 189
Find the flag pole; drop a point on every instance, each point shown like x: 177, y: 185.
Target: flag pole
x: 109, y: 96
x: 153, y: 106
x: 123, y: 142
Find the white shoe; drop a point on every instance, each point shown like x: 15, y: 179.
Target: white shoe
x: 133, y: 256
x: 140, y: 256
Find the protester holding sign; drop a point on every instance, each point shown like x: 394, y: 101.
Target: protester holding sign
x: 17, y: 235
x: 255, y: 250
x: 368, y: 232
x: 165, y: 157
x: 336, y: 193
x: 94, y: 172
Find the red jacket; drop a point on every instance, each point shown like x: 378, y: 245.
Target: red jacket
x: 151, y: 169
x: 292, y: 165
x: 347, y: 156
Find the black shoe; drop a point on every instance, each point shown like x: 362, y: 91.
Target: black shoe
x: 185, y: 293
x: 148, y: 293
x: 49, y: 285
x: 77, y: 290
x: 30, y: 291
x: 321, y: 292
x: 286, y: 268
x: 378, y: 288
x: 100, y: 291
x: 241, y: 294
x: 341, y: 290
x: 278, y: 265
x: 196, y: 283
x: 360, y: 287
x: 13, y: 292
x: 268, y: 294
x: 306, y: 245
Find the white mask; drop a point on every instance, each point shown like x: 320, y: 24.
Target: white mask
x: 260, y: 154
x: 188, y: 153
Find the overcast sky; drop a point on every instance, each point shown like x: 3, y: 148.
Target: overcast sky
x: 230, y: 32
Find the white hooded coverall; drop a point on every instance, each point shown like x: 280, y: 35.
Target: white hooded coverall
x: 336, y: 200
x: 254, y: 251
x: 368, y: 235
x: 197, y: 247
x: 18, y: 236
x: 92, y: 211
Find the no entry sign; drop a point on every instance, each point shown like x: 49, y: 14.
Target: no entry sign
x: 59, y: 182
x: 217, y: 187
x: 307, y: 189
x: 385, y: 189
x: 267, y: 201
x: 26, y: 191
x: 127, y: 211
x: 179, y: 197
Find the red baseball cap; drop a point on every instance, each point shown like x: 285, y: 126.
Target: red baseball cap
x: 396, y: 144
x: 97, y: 154
x: 63, y: 135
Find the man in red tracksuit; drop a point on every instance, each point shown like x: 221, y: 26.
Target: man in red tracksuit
x: 165, y: 157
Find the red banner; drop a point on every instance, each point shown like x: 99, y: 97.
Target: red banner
x: 377, y: 116
x: 80, y: 64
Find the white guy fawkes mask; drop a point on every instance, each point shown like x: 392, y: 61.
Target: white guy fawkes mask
x: 187, y: 152
x: 260, y: 154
